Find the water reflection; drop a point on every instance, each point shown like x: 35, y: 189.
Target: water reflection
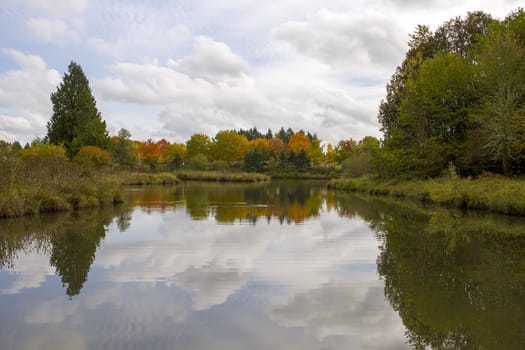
x: 286, y: 201
x: 215, y: 266
x: 457, y: 280
x: 70, y: 242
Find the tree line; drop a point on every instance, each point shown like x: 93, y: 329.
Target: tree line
x: 76, y: 129
x: 457, y: 99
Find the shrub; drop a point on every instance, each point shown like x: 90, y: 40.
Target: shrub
x: 93, y: 157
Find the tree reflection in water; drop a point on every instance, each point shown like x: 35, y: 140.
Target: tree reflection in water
x: 288, y: 201
x: 70, y: 240
x: 457, y: 279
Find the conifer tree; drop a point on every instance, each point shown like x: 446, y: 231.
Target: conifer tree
x: 76, y: 121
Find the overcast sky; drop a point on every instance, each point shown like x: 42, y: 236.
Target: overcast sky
x: 169, y: 69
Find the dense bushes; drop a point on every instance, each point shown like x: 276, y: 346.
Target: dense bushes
x: 41, y: 179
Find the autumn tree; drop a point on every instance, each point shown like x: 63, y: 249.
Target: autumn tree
x: 229, y: 146
x: 93, y: 157
x: 344, y: 149
x: 315, y: 152
x: 276, y: 146
x: 298, y: 141
x: 76, y: 121
x: 260, y: 144
x: 149, y: 152
x: 330, y: 155
x: 198, y: 144
x: 174, y: 155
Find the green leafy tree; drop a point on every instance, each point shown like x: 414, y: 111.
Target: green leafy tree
x: 255, y: 160
x: 122, y: 150
x: 302, y: 161
x: 229, y: 146
x: 76, y: 121
x: 198, y: 144
x: 458, y: 36
x: 502, y: 69
x: 434, y: 113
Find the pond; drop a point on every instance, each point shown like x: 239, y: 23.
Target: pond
x: 280, y: 265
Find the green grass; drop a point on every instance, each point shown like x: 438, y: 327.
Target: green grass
x: 221, y: 176
x: 137, y: 178
x: 85, y: 192
x: 493, y: 193
x: 38, y: 185
x: 301, y: 175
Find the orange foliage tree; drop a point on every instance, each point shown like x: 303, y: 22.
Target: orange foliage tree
x: 93, y: 156
x: 149, y: 152
x: 276, y: 145
x: 298, y: 141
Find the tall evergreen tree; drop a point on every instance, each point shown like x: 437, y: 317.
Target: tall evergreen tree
x: 76, y: 121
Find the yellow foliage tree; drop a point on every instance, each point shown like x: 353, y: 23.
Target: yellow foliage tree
x: 315, y: 152
x: 330, y: 155
x: 198, y: 144
x: 93, y: 156
x: 260, y: 145
x: 229, y: 146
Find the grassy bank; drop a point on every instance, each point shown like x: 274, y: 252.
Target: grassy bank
x: 493, y: 193
x: 71, y: 188
x: 84, y: 192
x: 301, y: 176
x: 221, y: 176
x: 136, y: 178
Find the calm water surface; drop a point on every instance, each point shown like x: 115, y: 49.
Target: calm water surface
x: 262, y: 266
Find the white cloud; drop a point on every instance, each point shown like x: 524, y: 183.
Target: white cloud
x: 55, y: 8
x: 32, y: 269
x: 52, y: 339
x: 212, y: 60
x: 14, y: 124
x: 24, y: 97
x: 51, y: 312
x: 210, y: 89
x: 214, y: 89
x: 212, y: 284
x: 358, y: 313
x: 219, y: 261
x: 53, y: 30
x: 345, y: 40
x: 179, y: 33
x: 103, y: 47
x: 30, y: 62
